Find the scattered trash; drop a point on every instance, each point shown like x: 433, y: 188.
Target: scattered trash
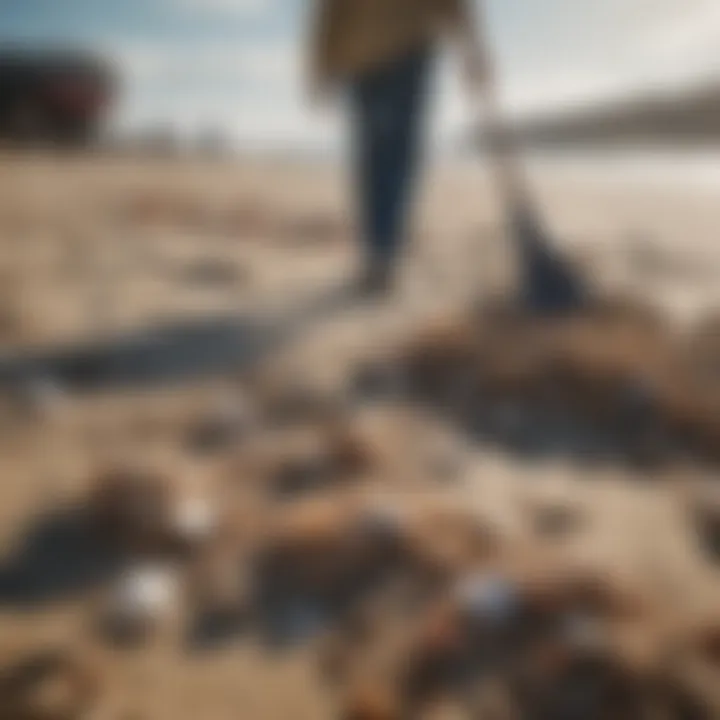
x: 52, y: 684
x: 141, y: 600
x: 129, y: 508
x: 614, y: 371
x: 378, y: 495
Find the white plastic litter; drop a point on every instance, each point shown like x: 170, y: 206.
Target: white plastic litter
x: 142, y: 598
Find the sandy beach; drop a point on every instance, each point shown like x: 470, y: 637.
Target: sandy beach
x: 179, y: 267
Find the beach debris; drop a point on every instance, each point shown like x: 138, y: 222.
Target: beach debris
x: 129, y: 507
x: 50, y: 684
x: 145, y: 510
x: 142, y: 600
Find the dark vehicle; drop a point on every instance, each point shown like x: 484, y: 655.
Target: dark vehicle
x: 52, y: 97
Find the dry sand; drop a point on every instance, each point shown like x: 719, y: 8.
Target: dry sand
x: 103, y: 248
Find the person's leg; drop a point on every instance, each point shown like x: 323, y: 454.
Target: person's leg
x: 404, y: 145
x: 389, y: 113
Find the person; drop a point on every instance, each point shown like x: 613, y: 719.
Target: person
x: 382, y: 52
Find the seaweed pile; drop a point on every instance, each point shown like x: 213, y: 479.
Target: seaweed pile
x: 615, y: 382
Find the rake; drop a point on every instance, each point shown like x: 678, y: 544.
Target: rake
x: 548, y: 282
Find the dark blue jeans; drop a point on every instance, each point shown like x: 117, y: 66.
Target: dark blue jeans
x: 388, y: 112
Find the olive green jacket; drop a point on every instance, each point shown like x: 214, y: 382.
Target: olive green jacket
x: 354, y: 36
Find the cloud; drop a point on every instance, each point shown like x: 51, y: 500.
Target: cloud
x: 685, y: 42
x: 566, y: 53
x: 243, y: 8
x: 274, y: 64
x: 252, y: 90
x: 555, y: 54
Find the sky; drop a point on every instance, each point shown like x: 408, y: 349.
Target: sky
x: 236, y: 65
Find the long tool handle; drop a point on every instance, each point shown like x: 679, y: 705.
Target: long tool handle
x: 503, y: 146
